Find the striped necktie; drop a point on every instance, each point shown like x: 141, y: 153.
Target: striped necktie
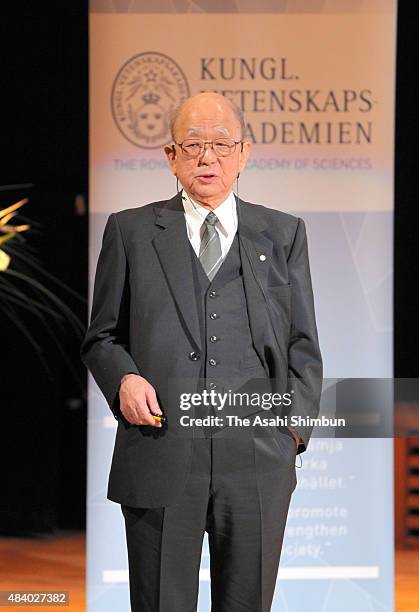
x: 210, y: 254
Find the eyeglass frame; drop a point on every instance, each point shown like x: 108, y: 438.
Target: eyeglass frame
x: 211, y: 142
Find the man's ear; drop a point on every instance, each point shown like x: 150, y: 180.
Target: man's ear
x: 244, y: 155
x: 170, y: 152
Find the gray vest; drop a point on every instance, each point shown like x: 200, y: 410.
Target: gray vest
x: 228, y: 356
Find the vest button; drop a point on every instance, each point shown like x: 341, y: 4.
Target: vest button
x: 213, y: 315
x: 212, y: 362
x: 194, y: 356
x: 212, y: 294
x: 213, y: 338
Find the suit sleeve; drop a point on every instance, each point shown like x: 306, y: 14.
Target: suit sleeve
x: 105, y: 348
x: 305, y: 369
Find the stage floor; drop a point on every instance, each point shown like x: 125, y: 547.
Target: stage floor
x: 57, y: 563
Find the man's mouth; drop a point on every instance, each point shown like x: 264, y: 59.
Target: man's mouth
x: 206, y: 178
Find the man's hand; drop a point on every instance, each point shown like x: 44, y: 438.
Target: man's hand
x: 296, y: 435
x: 138, y: 401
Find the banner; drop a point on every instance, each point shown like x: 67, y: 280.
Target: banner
x: 316, y: 84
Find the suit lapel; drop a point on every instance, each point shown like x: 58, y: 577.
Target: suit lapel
x: 256, y: 255
x: 173, y: 249
x: 256, y: 245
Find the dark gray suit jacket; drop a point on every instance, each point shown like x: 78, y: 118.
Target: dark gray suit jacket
x: 144, y: 320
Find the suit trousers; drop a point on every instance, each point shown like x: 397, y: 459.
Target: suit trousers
x: 238, y: 491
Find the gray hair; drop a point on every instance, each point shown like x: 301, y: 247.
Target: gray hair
x: 174, y: 113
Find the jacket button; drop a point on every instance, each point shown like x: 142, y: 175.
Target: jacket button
x: 212, y: 294
x: 212, y: 362
x: 213, y: 338
x: 194, y: 356
x: 213, y: 315
x: 212, y: 385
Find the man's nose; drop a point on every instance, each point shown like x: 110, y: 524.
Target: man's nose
x: 207, y: 155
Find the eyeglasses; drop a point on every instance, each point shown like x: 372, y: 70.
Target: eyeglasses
x: 222, y: 147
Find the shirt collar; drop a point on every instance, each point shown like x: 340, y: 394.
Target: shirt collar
x: 226, y: 213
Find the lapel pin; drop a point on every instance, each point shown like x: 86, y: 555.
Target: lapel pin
x: 262, y: 257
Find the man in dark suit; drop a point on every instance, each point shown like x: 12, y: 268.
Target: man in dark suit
x: 204, y: 293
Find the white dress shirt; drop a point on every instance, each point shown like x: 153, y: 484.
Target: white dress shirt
x: 226, y: 226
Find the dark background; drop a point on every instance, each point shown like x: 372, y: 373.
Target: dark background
x: 44, y: 143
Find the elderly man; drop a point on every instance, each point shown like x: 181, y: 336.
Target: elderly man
x: 204, y: 293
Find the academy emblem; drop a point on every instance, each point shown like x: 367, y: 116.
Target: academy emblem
x: 145, y: 89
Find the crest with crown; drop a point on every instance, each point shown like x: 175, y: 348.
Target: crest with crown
x: 145, y: 88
